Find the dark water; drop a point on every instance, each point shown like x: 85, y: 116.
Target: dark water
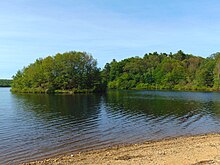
x: 34, y: 126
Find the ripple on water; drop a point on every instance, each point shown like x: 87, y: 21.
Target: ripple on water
x: 39, y: 126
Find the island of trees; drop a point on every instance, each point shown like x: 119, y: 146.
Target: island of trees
x: 68, y: 72
x: 78, y: 72
x: 5, y: 83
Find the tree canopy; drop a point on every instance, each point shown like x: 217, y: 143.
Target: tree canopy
x: 78, y: 72
x: 70, y: 71
x: 177, y: 71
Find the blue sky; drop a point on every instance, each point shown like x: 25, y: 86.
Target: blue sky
x: 108, y: 29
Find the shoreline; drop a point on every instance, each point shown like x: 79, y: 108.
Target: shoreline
x: 194, y: 150
x: 89, y: 91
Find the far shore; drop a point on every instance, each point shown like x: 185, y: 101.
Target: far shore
x: 186, y: 150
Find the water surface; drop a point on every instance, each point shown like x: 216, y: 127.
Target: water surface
x: 36, y: 126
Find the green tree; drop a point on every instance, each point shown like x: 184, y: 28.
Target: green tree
x: 205, y: 74
x: 70, y: 71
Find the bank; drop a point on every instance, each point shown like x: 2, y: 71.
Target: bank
x: 188, y: 150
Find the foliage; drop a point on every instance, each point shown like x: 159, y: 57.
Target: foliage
x: 76, y: 72
x: 177, y: 71
x: 5, y: 83
x: 67, y: 72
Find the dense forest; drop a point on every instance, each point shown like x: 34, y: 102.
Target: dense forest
x: 177, y: 71
x: 5, y: 83
x: 78, y: 72
x: 68, y: 72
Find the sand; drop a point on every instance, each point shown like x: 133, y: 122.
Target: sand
x: 194, y: 150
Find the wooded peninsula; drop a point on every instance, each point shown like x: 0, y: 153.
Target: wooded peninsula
x: 75, y: 72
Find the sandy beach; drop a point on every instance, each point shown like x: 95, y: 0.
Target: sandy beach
x: 193, y: 150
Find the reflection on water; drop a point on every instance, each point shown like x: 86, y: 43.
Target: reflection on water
x: 35, y: 126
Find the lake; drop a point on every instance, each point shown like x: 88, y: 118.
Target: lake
x: 37, y: 126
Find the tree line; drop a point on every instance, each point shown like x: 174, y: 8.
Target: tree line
x: 78, y: 72
x: 177, y: 71
x: 5, y: 83
x: 67, y: 72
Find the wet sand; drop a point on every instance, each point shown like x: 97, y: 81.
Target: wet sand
x: 193, y: 150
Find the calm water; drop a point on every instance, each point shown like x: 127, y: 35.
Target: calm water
x: 39, y: 126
